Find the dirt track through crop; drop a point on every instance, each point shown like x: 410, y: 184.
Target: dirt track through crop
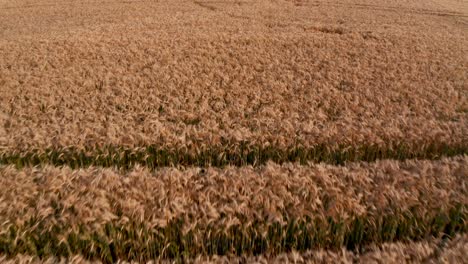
x: 396, y: 9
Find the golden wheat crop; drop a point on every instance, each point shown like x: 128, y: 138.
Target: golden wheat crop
x: 201, y: 130
x: 183, y: 74
x: 224, y: 196
x: 428, y: 251
x: 318, y: 204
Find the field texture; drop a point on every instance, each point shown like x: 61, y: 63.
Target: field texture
x: 429, y: 251
x: 140, y: 215
x: 232, y: 131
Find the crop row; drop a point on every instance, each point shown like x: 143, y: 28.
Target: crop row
x: 429, y: 251
x: 154, y: 157
x: 140, y: 214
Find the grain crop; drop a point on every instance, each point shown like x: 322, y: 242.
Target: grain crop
x: 189, y: 77
x: 233, y: 130
x: 100, y: 212
x: 428, y: 251
x: 241, y: 154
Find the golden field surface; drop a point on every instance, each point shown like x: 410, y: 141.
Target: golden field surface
x: 234, y: 131
x: 225, y: 197
x: 195, y: 73
x: 429, y: 251
x: 100, y: 213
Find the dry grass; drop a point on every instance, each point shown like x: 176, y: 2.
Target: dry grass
x: 428, y: 251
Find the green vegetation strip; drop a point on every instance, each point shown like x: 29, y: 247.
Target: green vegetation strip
x: 219, y: 156
x: 137, y: 242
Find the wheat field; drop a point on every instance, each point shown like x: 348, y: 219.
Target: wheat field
x: 424, y: 251
x: 233, y: 131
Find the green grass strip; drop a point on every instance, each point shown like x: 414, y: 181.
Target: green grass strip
x: 136, y: 242
x: 220, y: 156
